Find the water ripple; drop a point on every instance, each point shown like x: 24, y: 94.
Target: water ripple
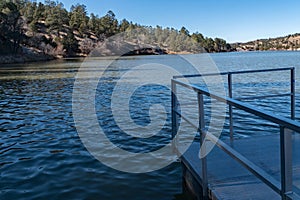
x: 42, y: 157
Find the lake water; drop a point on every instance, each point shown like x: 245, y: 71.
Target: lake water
x: 42, y: 156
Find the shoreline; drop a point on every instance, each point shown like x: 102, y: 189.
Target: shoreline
x: 25, y: 58
x: 31, y: 58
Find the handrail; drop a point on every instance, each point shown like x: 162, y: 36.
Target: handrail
x: 288, y: 123
x: 285, y: 187
x: 233, y: 72
x: 230, y: 85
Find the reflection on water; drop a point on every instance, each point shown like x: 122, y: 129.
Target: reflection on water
x: 42, y: 157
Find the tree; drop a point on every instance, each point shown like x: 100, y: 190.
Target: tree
x: 208, y: 44
x: 78, y: 18
x: 70, y: 44
x: 57, y: 17
x: 124, y: 25
x: 39, y: 13
x: 20, y: 4
x: 92, y: 24
x: 109, y: 24
x: 28, y: 11
x: 220, y: 45
x: 228, y: 47
x: 11, y: 26
x: 184, y: 31
x: 34, y: 26
x: 198, y: 37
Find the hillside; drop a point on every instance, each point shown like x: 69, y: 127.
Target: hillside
x: 287, y: 43
x: 47, y: 30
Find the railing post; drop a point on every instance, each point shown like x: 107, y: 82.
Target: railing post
x: 174, y: 107
x: 230, y: 107
x: 202, y: 152
x: 286, y: 162
x: 293, y: 93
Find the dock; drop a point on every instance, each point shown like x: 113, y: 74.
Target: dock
x: 261, y: 167
x: 228, y: 179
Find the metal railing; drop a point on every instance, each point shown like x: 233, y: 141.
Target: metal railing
x: 230, y: 88
x: 287, y: 126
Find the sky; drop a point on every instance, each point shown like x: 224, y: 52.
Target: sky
x: 232, y: 20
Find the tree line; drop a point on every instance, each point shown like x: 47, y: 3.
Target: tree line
x: 51, y: 29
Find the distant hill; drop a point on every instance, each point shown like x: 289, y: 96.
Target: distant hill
x: 288, y: 43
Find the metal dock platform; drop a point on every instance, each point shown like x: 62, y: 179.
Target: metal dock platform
x: 227, y: 179
x: 264, y: 167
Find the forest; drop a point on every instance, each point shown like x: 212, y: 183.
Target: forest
x: 50, y: 29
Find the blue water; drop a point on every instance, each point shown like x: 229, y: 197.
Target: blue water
x: 42, y: 156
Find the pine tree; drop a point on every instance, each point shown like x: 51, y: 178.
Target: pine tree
x: 56, y: 18
x: 109, y: 24
x: 78, y: 18
x: 11, y: 26
x: 124, y: 25
x: 70, y: 44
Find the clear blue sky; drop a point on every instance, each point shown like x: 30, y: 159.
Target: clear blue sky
x: 232, y: 20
